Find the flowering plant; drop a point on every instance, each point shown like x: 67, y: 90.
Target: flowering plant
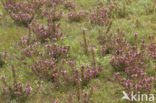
x: 77, y: 17
x: 16, y: 91
x: 22, y: 12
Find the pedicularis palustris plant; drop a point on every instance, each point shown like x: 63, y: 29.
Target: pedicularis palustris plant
x: 17, y: 91
x: 116, y: 9
x: 138, y: 55
x: 69, y: 5
x: 52, y: 14
x: 82, y: 96
x: 152, y: 47
x: 100, y: 16
x: 48, y: 67
x: 77, y: 17
x: 129, y: 61
x: 80, y: 76
x: 45, y: 57
x: 22, y: 12
x: 103, y: 13
x: 50, y: 30
x: 132, y: 62
x: 44, y: 45
x: 109, y: 47
x: 50, y: 3
x: 43, y: 32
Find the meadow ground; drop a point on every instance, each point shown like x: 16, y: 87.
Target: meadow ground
x: 140, y: 19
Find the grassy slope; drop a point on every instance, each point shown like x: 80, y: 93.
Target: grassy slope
x: 106, y: 92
